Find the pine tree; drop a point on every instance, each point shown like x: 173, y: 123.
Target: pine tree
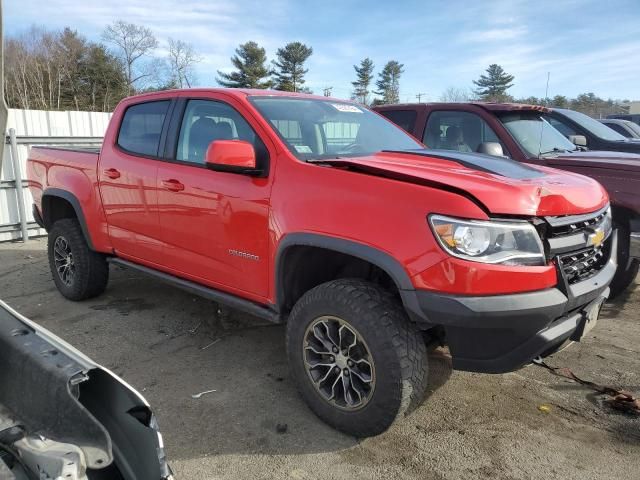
x: 290, y: 72
x: 494, y: 85
x: 389, y: 82
x: 364, y: 73
x: 250, y: 60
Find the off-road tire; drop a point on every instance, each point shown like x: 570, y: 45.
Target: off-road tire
x: 91, y: 270
x: 396, y: 346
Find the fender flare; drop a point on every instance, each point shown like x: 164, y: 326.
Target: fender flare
x: 382, y: 260
x: 75, y: 204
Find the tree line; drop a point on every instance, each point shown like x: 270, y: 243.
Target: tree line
x: 62, y: 70
x: 493, y: 86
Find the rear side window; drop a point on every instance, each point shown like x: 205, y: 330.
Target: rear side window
x: 141, y: 127
x: 405, y: 119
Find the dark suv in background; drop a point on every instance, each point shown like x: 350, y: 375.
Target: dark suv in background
x: 626, y: 128
x: 588, y: 132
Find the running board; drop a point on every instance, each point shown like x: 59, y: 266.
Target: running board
x: 218, y: 296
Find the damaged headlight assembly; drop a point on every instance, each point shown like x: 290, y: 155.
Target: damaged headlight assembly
x: 489, y: 241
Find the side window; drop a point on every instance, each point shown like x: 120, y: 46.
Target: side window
x: 405, y: 119
x: 460, y: 131
x: 141, y: 127
x: 205, y: 121
x: 562, y: 127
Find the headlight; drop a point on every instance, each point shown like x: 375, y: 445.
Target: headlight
x: 507, y: 243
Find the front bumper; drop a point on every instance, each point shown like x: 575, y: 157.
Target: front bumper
x: 501, y: 333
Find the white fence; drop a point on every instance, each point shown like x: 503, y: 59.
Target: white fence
x: 36, y: 127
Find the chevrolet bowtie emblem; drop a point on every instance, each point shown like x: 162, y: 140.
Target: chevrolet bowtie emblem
x: 596, y: 238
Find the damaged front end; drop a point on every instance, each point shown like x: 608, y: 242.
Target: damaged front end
x: 62, y: 416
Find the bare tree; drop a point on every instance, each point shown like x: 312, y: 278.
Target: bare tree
x: 134, y: 43
x: 61, y: 70
x: 182, y: 59
x: 454, y: 94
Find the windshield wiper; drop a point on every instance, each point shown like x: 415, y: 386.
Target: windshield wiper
x: 557, y: 150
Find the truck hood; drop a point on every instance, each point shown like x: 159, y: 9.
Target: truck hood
x: 499, y: 185
x: 597, y: 159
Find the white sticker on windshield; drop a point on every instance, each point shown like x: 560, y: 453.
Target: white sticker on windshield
x: 345, y: 107
x: 303, y: 149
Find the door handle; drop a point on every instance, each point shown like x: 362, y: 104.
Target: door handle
x: 173, y: 185
x: 112, y: 173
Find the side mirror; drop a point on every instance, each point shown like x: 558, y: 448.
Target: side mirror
x: 236, y: 156
x: 491, y: 148
x: 578, y: 140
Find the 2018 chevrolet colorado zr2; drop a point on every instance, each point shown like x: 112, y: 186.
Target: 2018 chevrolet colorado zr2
x: 319, y: 213
x: 533, y: 134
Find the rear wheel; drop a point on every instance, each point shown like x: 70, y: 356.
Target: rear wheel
x: 78, y: 272
x: 357, y: 360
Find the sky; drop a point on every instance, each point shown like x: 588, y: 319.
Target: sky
x: 585, y: 45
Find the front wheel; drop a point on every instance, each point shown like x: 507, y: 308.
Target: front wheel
x: 78, y: 272
x: 357, y: 360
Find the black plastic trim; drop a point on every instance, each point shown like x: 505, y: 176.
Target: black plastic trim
x: 71, y: 198
x: 498, y: 334
x: 36, y: 216
x: 370, y: 254
x: 262, y: 311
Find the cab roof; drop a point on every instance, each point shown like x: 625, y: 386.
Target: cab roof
x: 239, y: 93
x: 491, y: 106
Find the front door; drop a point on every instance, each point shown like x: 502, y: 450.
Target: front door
x: 214, y: 225
x: 127, y: 176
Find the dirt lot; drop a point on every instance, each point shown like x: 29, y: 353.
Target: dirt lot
x: 473, y: 426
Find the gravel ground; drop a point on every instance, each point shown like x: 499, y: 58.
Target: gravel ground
x: 255, y: 425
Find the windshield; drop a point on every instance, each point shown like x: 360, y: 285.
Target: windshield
x: 592, y: 125
x: 534, y: 134
x: 316, y: 129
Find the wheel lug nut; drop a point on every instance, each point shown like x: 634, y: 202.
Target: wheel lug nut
x: 350, y: 363
x: 337, y: 369
x: 346, y: 372
x: 334, y: 350
x: 332, y: 358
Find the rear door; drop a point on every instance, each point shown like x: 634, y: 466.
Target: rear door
x: 214, y: 225
x: 127, y: 174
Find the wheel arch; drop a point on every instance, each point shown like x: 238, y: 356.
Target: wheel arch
x: 290, y: 283
x: 58, y: 204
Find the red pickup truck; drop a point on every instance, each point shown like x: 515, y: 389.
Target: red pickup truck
x: 319, y: 213
x: 534, y: 134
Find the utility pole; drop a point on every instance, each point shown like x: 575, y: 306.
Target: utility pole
x: 327, y: 91
x: 419, y: 96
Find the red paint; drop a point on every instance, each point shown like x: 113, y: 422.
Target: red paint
x: 223, y: 229
x: 231, y: 153
x: 618, y: 172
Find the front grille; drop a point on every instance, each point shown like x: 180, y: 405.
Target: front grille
x: 582, y: 265
x: 567, y: 242
x: 577, y: 227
